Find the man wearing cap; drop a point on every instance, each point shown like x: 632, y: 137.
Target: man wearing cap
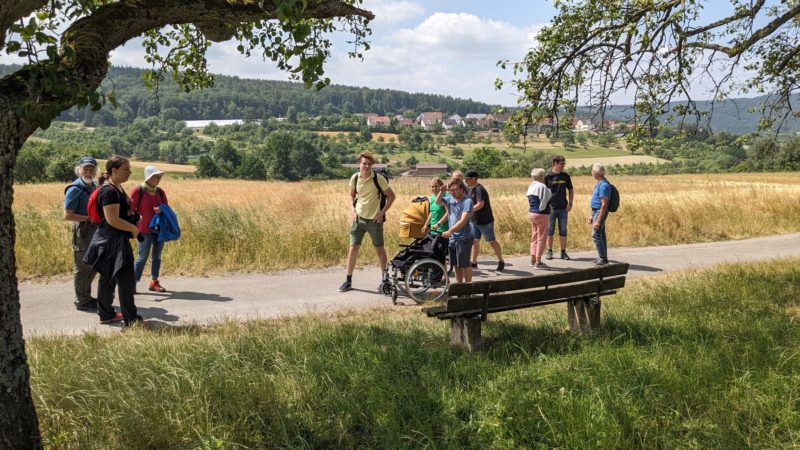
x: 482, y: 220
x: 146, y: 200
x: 76, y: 198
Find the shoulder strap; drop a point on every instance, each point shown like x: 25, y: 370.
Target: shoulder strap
x: 377, y: 185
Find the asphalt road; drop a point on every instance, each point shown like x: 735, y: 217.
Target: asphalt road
x: 47, y: 307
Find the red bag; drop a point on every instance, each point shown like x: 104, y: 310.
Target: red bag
x: 93, y: 209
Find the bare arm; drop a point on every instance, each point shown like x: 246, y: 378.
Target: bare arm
x: 462, y: 222
x: 389, y: 193
x: 69, y: 214
x: 571, y: 197
x: 112, y: 217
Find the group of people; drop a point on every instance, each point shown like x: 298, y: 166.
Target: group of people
x: 461, y: 211
x: 105, y: 248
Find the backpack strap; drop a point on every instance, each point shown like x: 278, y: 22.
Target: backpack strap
x: 159, y: 191
x: 82, y: 187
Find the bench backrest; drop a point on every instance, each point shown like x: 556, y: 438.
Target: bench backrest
x: 514, y: 293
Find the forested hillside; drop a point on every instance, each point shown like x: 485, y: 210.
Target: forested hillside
x: 238, y: 98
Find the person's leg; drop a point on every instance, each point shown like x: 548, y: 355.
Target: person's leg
x: 142, y: 254
x: 452, y: 252
x: 126, y: 283
x: 534, y: 231
x: 563, y: 219
x: 541, y: 233
x: 84, y: 274
x: 488, y: 234
x: 551, y: 230
x: 352, y: 255
x: 155, y: 261
x: 476, y: 245
x: 599, y: 238
x: 463, y: 249
x: 375, y: 231
x: 105, y: 296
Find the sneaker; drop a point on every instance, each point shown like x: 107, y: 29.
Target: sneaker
x: 600, y: 262
x: 533, y: 263
x: 346, y: 286
x: 540, y: 265
x: 117, y: 318
x: 549, y: 254
x: 155, y: 286
x: 564, y: 255
x: 90, y: 306
x: 500, y: 266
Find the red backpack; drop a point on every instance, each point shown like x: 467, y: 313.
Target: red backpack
x: 93, y: 209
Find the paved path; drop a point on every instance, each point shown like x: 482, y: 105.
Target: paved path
x: 47, y: 308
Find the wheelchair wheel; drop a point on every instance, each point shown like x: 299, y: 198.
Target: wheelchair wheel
x: 426, y: 281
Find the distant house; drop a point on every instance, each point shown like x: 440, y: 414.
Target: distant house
x: 499, y: 118
x: 470, y: 122
x: 429, y: 119
x: 429, y: 170
x: 374, y: 121
x: 582, y: 125
x: 449, y: 124
x: 476, y: 116
x: 403, y: 122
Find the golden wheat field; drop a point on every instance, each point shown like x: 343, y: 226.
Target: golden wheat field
x: 249, y: 226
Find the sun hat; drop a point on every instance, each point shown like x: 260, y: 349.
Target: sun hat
x: 150, y: 171
x: 87, y: 161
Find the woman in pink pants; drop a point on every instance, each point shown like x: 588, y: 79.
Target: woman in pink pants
x: 539, y: 209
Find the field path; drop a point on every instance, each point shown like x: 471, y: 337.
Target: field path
x: 47, y: 307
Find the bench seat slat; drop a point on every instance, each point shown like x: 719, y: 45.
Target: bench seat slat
x: 454, y: 315
x: 520, y: 298
x: 516, y: 284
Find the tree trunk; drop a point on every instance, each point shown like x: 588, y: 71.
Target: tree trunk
x: 19, y: 426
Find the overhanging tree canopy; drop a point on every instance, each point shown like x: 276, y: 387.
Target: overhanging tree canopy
x: 657, y: 51
x: 67, y: 45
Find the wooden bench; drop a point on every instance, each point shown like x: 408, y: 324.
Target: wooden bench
x: 468, y: 304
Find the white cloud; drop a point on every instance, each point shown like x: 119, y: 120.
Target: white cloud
x: 393, y: 11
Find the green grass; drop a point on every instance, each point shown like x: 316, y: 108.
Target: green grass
x: 705, y: 360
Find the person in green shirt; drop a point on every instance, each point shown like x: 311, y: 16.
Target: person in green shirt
x: 437, y: 218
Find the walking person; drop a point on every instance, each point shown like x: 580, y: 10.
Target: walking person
x: 370, y: 198
x: 146, y: 200
x: 76, y: 197
x: 110, y: 251
x: 482, y: 220
x: 599, y: 204
x: 560, y: 185
x: 459, y: 232
x: 437, y: 221
x: 539, y: 212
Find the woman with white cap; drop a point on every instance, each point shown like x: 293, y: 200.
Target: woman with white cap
x: 146, y: 200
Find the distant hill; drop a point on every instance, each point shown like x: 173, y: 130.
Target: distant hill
x: 730, y: 115
x: 239, y: 98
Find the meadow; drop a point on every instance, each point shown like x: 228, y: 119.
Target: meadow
x: 250, y: 226
x: 690, y: 360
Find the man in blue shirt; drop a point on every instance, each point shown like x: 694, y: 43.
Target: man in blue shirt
x: 459, y: 207
x: 599, y: 204
x: 76, y: 197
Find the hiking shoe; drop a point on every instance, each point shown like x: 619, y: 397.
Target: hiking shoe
x: 346, y: 286
x: 564, y: 255
x: 155, y: 286
x: 549, y: 254
x: 540, y: 265
x: 90, y: 306
x: 600, y: 262
x: 533, y: 263
x: 500, y: 266
x: 117, y: 318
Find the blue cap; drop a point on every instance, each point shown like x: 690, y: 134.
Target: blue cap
x: 88, y: 161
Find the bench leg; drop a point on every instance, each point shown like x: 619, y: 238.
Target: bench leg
x: 583, y: 315
x: 466, y: 333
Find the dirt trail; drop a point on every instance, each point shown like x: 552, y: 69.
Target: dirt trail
x: 47, y: 308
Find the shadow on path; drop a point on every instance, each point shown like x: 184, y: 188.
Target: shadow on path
x: 186, y: 295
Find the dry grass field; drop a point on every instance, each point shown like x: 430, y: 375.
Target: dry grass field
x: 237, y: 226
